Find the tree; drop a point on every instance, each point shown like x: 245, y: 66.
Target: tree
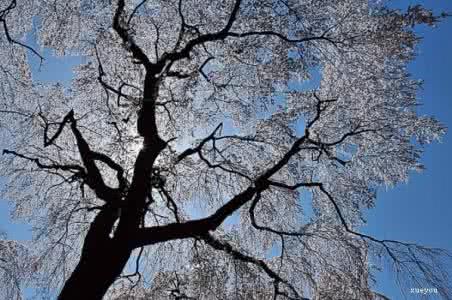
x: 180, y: 163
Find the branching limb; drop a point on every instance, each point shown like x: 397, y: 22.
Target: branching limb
x: 3, y: 15
x: 209, y: 37
x: 92, y: 177
x: 192, y: 228
x: 118, y: 26
x: 266, y: 228
x: 152, y: 235
x: 67, y: 167
x: 228, y: 248
x: 321, y: 106
x: 198, y: 148
x: 171, y: 204
x: 49, y: 141
x: 137, y: 272
x: 157, y: 234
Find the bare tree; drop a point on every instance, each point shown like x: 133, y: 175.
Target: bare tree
x: 180, y: 163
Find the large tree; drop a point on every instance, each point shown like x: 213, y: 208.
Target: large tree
x: 182, y: 161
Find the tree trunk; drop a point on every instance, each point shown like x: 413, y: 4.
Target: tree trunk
x: 102, y: 261
x: 94, y: 274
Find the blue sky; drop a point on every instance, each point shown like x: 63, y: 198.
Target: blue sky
x: 419, y: 211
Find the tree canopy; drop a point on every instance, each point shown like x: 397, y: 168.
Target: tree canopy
x: 182, y: 161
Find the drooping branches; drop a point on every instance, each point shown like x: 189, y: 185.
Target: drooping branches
x: 3, y: 15
x: 277, y: 280
x: 15, y: 267
x: 198, y: 227
x: 247, y: 70
x: 89, y: 173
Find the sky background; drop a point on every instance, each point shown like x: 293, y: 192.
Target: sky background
x: 419, y: 211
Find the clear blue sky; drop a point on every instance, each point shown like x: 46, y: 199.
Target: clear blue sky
x: 420, y: 211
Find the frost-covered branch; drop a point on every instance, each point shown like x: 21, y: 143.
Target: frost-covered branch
x: 73, y: 168
x: 236, y: 254
x: 298, y: 96
x: 118, y: 26
x: 3, y: 14
x: 208, y: 37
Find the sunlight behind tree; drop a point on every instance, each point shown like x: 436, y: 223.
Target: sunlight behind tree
x: 181, y: 104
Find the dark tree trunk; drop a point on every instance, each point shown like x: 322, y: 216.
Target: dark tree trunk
x: 101, y: 262
x: 94, y: 274
x: 103, y: 258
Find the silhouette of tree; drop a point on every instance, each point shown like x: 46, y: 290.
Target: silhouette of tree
x: 182, y: 161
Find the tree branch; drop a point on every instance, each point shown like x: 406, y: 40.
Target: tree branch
x: 229, y: 249
x: 49, y: 141
x: 67, y: 167
x: 280, y: 36
x: 3, y: 14
x: 209, y: 37
x: 198, y: 148
x: 94, y: 178
x: 266, y: 228
x: 127, y: 39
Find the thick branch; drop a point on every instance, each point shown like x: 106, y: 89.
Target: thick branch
x: 152, y: 235
x: 128, y: 41
x: 157, y: 234
x: 92, y: 177
x: 193, y: 228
